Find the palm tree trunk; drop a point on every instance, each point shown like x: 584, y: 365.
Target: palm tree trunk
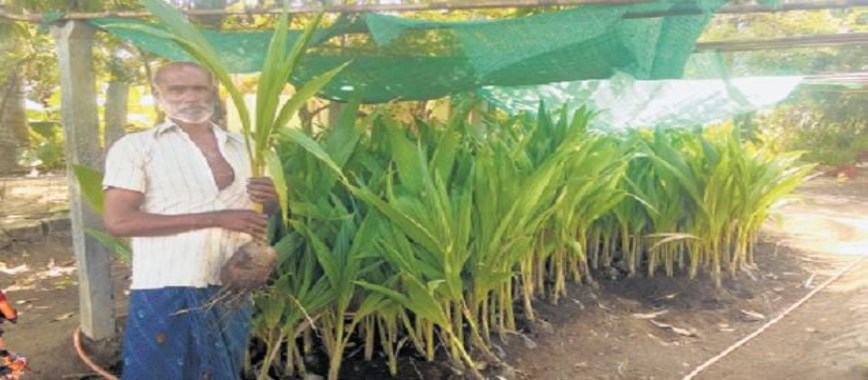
x: 13, y: 122
x: 115, y: 115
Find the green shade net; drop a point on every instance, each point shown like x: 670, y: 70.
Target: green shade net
x: 407, y: 59
x: 622, y: 102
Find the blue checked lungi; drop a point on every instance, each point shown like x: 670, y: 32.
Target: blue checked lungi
x: 198, y: 343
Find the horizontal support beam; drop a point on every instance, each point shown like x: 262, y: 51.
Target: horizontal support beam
x: 347, y: 8
x: 756, y: 8
x: 452, y: 5
x: 819, y: 40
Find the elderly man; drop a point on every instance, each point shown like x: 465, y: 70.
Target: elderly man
x: 181, y: 191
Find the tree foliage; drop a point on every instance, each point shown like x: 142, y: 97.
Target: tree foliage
x: 827, y: 121
x: 792, y: 24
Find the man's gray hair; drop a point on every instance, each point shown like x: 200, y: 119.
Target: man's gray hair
x: 177, y: 65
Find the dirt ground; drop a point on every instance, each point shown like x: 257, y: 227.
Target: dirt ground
x: 632, y: 328
x: 606, y: 334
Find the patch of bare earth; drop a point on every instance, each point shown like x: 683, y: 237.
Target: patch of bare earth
x: 38, y: 274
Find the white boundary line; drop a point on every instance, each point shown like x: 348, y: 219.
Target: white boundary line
x: 759, y: 331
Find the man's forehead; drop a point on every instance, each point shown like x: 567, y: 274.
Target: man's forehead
x: 185, y: 69
x: 183, y: 75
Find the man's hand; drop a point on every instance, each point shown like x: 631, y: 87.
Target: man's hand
x: 247, y: 221
x: 261, y: 190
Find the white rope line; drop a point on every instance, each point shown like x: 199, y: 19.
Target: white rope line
x: 759, y: 331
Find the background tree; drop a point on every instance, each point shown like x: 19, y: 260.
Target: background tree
x: 826, y: 120
x: 13, y: 111
x: 20, y: 59
x: 30, y: 73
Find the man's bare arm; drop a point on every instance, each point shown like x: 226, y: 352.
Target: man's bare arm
x: 123, y: 217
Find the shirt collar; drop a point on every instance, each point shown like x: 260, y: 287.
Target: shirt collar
x: 221, y: 134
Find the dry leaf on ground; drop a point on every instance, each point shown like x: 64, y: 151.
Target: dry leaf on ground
x: 63, y: 317
x: 675, y: 329
x: 650, y: 315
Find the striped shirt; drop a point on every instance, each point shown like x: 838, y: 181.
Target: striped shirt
x: 173, y: 174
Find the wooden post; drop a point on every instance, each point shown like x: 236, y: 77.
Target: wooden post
x: 81, y: 130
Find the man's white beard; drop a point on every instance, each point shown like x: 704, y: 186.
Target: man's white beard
x: 192, y: 114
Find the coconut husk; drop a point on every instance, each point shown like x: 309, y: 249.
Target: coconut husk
x: 249, y: 267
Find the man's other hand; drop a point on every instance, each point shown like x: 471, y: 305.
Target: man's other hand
x: 261, y: 190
